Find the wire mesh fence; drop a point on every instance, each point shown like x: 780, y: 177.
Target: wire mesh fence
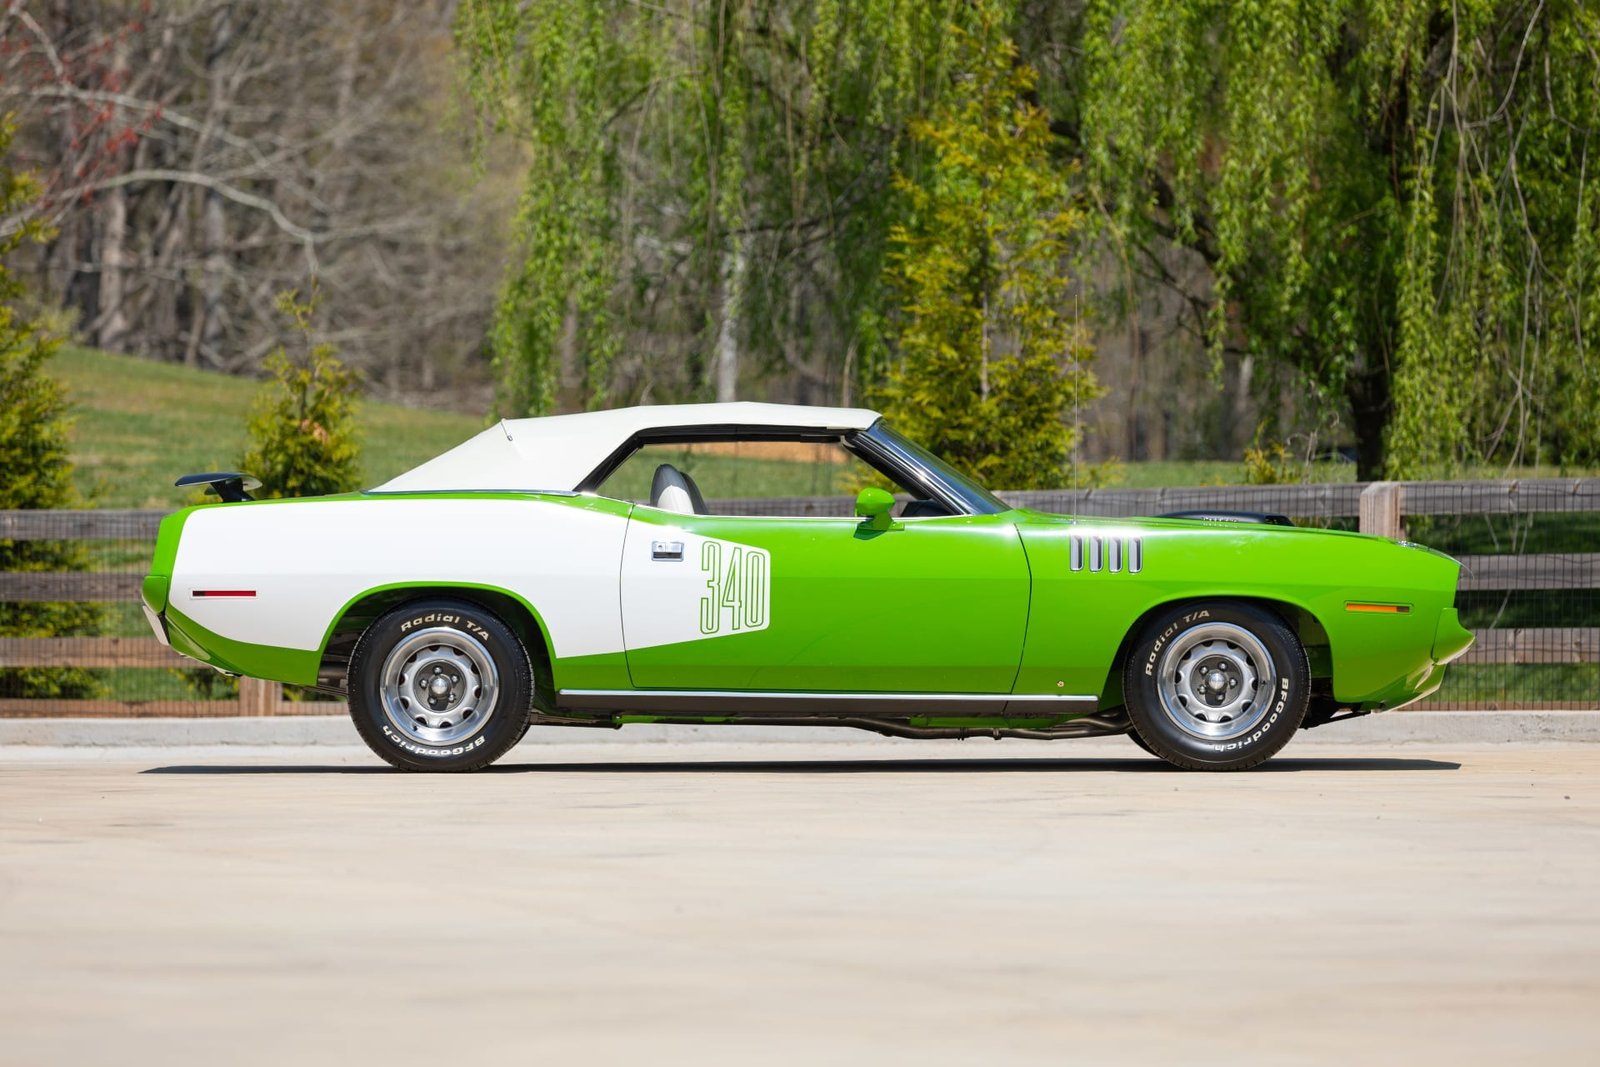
x: 73, y: 639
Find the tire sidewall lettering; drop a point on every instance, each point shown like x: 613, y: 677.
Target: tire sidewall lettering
x: 1182, y: 623
x: 1266, y: 725
x: 423, y: 750
x: 1292, y: 686
x: 441, y: 618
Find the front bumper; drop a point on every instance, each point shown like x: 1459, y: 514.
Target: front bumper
x: 1450, y: 641
x: 1450, y: 638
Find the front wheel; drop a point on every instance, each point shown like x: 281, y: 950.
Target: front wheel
x: 1217, y: 686
x: 440, y: 685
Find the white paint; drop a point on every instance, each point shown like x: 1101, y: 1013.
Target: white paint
x: 558, y: 452
x: 306, y: 561
x: 675, y: 498
x: 665, y: 602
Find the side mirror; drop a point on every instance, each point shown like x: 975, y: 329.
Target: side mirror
x: 875, y: 506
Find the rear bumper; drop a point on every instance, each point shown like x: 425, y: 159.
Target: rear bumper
x: 157, y: 623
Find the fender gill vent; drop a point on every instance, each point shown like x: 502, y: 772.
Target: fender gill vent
x: 1111, y: 554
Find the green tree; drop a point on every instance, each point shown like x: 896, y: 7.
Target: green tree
x: 34, y: 468
x: 706, y: 178
x: 988, y: 360
x: 302, y: 425
x: 1389, y: 197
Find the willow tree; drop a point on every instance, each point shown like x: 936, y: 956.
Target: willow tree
x: 708, y: 188
x: 988, y: 361
x: 1392, y: 198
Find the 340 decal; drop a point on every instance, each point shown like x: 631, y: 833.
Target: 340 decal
x: 738, y: 589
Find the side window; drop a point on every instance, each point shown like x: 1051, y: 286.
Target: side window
x: 750, y: 477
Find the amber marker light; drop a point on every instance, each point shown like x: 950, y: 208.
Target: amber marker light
x: 1377, y: 609
x: 224, y: 592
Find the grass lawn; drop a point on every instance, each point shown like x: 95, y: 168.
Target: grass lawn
x: 141, y: 424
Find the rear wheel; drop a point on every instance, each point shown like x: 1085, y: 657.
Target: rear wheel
x: 1216, y: 686
x: 440, y: 685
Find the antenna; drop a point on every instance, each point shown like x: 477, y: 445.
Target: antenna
x: 1077, y: 394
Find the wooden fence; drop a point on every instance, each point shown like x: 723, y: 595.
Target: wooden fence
x: 256, y: 697
x: 1380, y: 508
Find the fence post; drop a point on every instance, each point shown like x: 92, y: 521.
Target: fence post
x: 258, y: 697
x: 1382, y: 508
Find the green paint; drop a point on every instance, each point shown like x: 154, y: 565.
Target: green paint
x: 986, y: 604
x: 938, y: 606
x: 606, y: 670
x: 433, y: 589
x: 1081, y: 617
x: 154, y: 590
x: 167, y: 536
x: 293, y: 665
x: 875, y: 506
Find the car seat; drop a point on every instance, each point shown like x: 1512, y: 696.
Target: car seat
x: 673, y: 490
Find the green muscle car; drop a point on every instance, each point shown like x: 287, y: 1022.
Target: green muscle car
x: 570, y: 571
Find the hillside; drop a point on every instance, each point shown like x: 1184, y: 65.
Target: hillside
x: 140, y: 424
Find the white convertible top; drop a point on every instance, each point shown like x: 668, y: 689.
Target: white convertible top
x: 559, y: 451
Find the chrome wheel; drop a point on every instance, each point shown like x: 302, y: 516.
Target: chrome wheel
x: 1216, y: 681
x: 439, y: 686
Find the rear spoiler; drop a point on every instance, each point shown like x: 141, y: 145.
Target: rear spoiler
x: 231, y: 486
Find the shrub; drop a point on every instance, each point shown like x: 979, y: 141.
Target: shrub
x: 302, y: 426
x: 35, y: 470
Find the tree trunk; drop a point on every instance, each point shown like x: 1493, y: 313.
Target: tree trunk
x: 213, y: 219
x: 727, y: 365
x: 111, y: 319
x: 214, y: 233
x: 1370, y: 411
x: 1240, y: 428
x: 112, y: 334
x: 1133, y: 435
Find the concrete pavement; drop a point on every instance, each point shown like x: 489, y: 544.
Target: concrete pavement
x: 1408, y: 727
x: 872, y: 902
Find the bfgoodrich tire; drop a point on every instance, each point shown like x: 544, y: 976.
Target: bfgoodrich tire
x: 1216, y: 686
x: 440, y: 685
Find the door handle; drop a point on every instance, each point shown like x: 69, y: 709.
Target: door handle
x: 668, y: 551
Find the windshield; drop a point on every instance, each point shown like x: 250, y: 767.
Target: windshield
x: 977, y: 499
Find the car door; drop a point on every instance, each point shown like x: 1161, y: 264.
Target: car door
x: 774, y: 604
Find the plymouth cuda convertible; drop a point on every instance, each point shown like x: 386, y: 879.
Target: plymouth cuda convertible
x: 574, y: 571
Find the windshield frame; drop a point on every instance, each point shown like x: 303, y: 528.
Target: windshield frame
x: 963, y: 495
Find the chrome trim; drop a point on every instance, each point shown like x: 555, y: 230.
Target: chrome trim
x: 921, y: 473
x: 1113, y: 555
x: 1217, y: 681
x: 157, y: 622
x: 448, y: 705
x: 486, y: 492
x: 713, y: 701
